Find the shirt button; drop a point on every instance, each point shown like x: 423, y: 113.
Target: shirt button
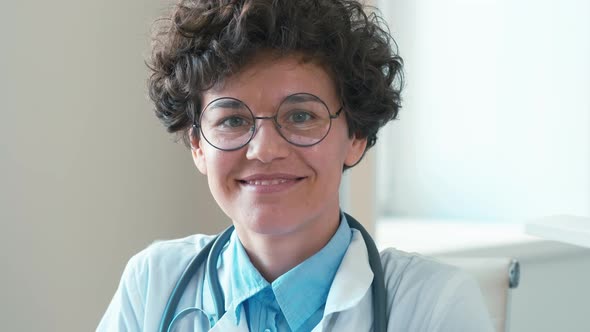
x: 266, y: 330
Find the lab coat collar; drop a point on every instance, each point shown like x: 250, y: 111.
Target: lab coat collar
x: 225, y: 275
x: 228, y: 323
x: 353, y: 278
x: 229, y: 320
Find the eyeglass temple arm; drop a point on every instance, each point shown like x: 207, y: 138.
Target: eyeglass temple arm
x: 335, y: 115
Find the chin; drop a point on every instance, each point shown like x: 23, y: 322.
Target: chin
x: 270, y: 223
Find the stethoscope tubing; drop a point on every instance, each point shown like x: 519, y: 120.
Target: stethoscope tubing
x: 378, y: 289
x: 182, y: 284
x: 214, y: 285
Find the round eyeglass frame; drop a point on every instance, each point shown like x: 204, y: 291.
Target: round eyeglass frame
x: 197, y: 126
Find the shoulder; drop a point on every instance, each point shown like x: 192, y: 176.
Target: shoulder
x: 146, y: 284
x: 420, y: 276
x: 168, y: 255
x: 400, y: 266
x: 426, y: 295
x: 164, y: 249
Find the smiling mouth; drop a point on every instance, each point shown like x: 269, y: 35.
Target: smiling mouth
x: 270, y: 182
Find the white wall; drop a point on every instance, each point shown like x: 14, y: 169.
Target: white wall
x: 496, y: 117
x: 496, y: 126
x: 87, y: 175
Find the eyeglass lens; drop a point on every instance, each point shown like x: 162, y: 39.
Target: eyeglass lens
x: 228, y: 123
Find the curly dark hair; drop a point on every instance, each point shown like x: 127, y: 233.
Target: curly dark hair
x: 202, y: 42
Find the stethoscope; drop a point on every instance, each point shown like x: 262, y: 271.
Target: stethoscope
x: 210, y: 253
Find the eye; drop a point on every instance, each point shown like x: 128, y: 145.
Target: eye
x: 233, y: 122
x: 300, y: 116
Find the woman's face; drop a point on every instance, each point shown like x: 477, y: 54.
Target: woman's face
x: 271, y: 186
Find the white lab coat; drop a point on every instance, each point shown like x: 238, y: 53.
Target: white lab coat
x: 423, y: 295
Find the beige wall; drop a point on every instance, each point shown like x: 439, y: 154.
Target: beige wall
x: 87, y: 175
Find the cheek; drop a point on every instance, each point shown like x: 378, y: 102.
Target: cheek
x: 331, y: 154
x: 327, y: 164
x: 219, y: 170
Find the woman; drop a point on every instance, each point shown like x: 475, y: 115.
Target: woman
x: 276, y: 99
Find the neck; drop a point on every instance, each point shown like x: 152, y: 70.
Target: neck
x: 275, y: 254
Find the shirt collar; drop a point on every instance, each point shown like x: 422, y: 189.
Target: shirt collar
x: 301, y: 291
x: 304, y: 289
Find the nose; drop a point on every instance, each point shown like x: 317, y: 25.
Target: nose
x: 267, y: 143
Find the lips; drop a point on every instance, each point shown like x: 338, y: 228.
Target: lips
x: 266, y: 182
x: 270, y: 181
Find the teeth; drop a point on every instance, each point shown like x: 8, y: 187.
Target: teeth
x: 266, y: 182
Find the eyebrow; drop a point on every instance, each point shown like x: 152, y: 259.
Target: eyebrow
x: 301, y: 98
x: 226, y: 103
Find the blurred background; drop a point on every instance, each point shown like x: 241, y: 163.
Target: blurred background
x: 494, y: 131
x: 496, y: 117
x: 88, y: 177
x: 494, y: 134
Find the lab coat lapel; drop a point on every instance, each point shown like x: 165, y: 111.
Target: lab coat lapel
x: 227, y: 323
x: 350, y: 291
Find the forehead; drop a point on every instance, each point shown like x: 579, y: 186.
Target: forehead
x: 268, y: 79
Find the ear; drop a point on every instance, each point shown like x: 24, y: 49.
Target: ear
x: 197, y: 152
x: 356, y: 151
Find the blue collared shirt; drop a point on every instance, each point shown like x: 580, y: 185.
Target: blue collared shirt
x: 295, y: 301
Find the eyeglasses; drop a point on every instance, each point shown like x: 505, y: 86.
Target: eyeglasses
x: 302, y: 119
